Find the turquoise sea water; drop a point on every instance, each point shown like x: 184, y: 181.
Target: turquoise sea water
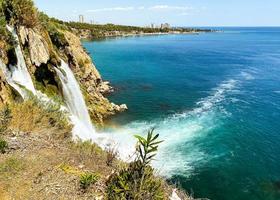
x: 215, y: 100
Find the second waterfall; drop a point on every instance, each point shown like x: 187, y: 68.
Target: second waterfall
x: 75, y: 103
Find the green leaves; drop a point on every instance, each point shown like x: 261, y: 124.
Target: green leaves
x: 88, y: 179
x: 147, y: 147
x: 137, y: 180
x: 3, y: 146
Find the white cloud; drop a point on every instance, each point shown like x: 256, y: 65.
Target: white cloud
x: 168, y: 8
x: 183, y: 9
x: 112, y: 9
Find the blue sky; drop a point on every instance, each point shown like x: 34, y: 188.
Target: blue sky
x: 175, y: 12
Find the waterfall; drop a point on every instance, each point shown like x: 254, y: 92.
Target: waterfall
x: 18, y: 76
x: 75, y: 103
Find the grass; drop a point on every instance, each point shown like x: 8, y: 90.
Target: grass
x: 38, y: 116
x: 12, y: 165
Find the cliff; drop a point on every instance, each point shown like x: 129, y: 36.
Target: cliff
x: 43, y: 45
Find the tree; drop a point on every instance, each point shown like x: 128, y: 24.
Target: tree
x: 20, y: 12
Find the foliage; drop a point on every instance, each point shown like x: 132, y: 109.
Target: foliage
x: 11, y: 165
x: 111, y: 155
x: 137, y: 180
x: 86, y: 149
x: 4, y: 34
x: 147, y: 148
x: 5, y: 118
x: 57, y: 37
x: 20, y: 12
x: 87, y: 179
x: 38, y: 116
x: 3, y: 146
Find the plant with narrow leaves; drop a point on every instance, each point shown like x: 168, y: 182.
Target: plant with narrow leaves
x: 147, y: 147
x: 88, y: 179
x: 3, y: 146
x: 137, y: 180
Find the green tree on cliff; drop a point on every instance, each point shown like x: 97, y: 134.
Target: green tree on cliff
x: 20, y: 12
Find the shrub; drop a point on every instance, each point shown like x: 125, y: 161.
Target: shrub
x: 3, y: 146
x: 5, y: 118
x: 111, y: 155
x: 57, y: 37
x: 20, y: 12
x: 137, y: 180
x: 87, y: 179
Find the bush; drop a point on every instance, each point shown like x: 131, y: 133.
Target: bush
x: 87, y: 179
x: 20, y: 12
x: 111, y: 155
x: 57, y: 37
x: 5, y: 118
x: 137, y: 180
x: 3, y: 146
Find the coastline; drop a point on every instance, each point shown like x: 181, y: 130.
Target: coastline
x: 115, y: 35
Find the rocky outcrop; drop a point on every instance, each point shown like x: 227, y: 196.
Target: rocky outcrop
x: 37, y: 45
x: 5, y: 91
x: 90, y: 80
x: 43, y: 47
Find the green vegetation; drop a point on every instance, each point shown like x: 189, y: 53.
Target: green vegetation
x: 20, y: 12
x: 3, y: 146
x: 111, y: 155
x: 33, y: 115
x: 87, y: 179
x: 137, y: 181
x: 102, y: 30
x: 5, y: 36
x: 5, y: 118
x: 11, y: 165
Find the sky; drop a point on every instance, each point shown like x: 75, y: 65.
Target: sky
x: 175, y: 12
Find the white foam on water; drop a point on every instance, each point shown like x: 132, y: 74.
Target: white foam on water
x: 247, y: 76
x: 178, y: 131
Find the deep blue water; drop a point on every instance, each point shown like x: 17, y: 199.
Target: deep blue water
x: 215, y: 100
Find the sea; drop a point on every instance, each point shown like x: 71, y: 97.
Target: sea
x: 214, y: 98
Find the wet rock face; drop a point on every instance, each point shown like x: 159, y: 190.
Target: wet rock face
x: 38, y: 47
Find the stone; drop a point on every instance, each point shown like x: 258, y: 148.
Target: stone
x: 38, y: 47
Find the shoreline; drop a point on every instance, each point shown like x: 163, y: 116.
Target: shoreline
x: 89, y: 38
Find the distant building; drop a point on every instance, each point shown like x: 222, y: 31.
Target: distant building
x: 81, y: 19
x: 165, y: 25
x: 153, y: 25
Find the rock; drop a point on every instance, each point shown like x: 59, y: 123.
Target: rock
x: 23, y: 34
x: 38, y: 47
x: 119, y: 108
x: 105, y: 88
x: 174, y: 196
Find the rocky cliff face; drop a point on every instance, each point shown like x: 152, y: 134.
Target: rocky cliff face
x: 42, y: 52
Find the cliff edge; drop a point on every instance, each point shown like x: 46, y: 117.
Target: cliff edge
x: 44, y: 44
